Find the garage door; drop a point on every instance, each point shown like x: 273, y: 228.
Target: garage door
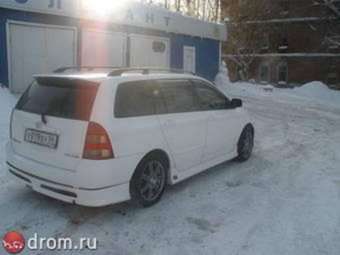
x: 103, y: 48
x: 35, y: 49
x: 149, y: 51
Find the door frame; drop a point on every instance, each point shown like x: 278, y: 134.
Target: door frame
x: 193, y: 48
x: 33, y: 24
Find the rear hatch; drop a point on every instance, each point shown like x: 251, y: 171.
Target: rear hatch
x: 50, y: 120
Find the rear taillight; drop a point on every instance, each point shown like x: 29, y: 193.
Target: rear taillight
x: 97, y: 143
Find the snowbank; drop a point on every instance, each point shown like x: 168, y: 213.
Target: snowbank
x: 319, y: 91
x: 239, y: 89
x: 222, y: 81
x: 7, y: 102
x: 314, y: 91
x: 222, y: 78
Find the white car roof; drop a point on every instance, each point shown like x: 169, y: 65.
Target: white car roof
x: 129, y: 76
x: 96, y: 77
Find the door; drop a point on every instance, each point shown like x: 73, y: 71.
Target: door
x: 103, y: 48
x: 149, y: 51
x: 35, y: 49
x: 223, y: 123
x: 183, y: 126
x: 189, y: 59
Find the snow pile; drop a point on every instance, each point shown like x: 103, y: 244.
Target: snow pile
x: 268, y: 88
x: 245, y: 89
x: 315, y: 91
x: 7, y: 102
x: 222, y: 78
x: 318, y: 91
x: 222, y: 81
x: 239, y: 89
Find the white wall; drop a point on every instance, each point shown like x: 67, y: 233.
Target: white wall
x: 137, y: 14
x: 103, y: 48
x: 35, y: 49
x: 142, y: 52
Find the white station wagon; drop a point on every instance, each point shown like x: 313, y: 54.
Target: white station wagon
x: 95, y: 139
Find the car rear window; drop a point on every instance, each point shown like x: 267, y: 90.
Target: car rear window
x: 59, y: 97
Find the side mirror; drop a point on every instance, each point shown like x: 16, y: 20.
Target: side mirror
x: 236, y: 103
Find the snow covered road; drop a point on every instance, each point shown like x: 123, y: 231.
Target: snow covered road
x: 284, y: 200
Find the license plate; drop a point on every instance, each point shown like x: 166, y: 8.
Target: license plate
x: 41, y: 138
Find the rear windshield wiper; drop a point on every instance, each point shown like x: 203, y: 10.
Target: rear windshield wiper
x: 43, y: 117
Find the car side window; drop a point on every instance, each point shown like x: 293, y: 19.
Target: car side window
x: 209, y: 98
x: 135, y: 99
x: 178, y: 95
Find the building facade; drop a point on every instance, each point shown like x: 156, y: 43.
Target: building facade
x: 283, y: 42
x: 39, y: 36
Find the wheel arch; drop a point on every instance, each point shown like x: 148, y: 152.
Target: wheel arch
x: 160, y: 154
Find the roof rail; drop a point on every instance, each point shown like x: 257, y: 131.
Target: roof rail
x: 85, y: 68
x: 146, y: 70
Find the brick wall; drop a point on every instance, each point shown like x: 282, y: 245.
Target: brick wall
x: 305, y: 51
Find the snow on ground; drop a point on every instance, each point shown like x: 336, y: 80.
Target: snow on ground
x: 318, y: 91
x: 315, y: 92
x: 284, y: 200
x: 7, y: 101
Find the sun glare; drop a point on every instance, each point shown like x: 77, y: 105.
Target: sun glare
x: 104, y: 8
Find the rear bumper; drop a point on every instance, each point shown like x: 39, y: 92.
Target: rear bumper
x: 68, y: 186
x: 69, y: 194
x: 66, y: 193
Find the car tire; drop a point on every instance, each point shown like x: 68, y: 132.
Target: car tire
x: 245, y: 144
x: 148, y: 182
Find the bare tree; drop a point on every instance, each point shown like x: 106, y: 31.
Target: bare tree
x: 332, y: 33
x: 246, y: 39
x: 209, y: 10
x: 249, y: 27
x: 332, y: 4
